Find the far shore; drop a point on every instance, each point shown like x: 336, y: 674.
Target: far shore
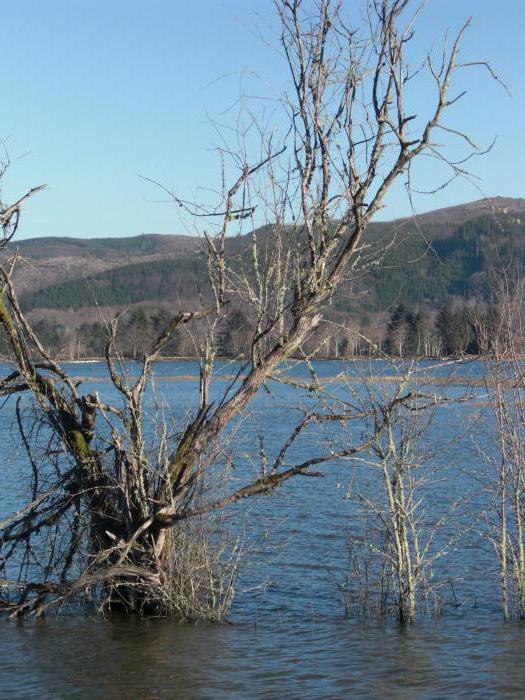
x: 351, y: 358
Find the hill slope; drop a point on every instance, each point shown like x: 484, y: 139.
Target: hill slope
x: 445, y: 253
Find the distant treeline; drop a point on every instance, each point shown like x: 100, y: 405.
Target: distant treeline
x: 456, y: 329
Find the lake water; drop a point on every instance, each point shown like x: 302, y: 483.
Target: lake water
x: 288, y: 634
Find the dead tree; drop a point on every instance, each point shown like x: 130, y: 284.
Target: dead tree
x: 502, y: 343
x: 104, y: 502
x: 391, y: 560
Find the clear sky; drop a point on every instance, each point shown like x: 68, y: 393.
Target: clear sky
x: 96, y: 92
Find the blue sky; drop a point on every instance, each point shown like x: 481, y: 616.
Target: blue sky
x: 96, y: 93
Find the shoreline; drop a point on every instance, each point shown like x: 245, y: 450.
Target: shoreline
x: 355, y: 358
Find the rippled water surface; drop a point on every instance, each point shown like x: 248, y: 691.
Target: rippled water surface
x: 466, y: 657
x: 288, y: 635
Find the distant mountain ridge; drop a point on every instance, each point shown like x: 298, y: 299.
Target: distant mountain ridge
x: 461, y: 213
x: 454, y: 249
x: 144, y: 244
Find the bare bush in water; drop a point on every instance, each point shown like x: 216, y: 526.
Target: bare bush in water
x: 394, y: 543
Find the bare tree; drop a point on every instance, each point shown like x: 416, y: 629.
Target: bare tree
x: 105, y: 505
x: 392, y: 558
x: 502, y: 341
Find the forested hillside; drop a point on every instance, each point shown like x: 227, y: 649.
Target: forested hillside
x: 425, y: 263
x: 416, y: 270
x: 430, y: 272
x: 170, y: 279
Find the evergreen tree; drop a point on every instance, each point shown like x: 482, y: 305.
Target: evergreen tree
x: 231, y: 334
x: 398, y: 330
x: 453, y: 330
x: 419, y: 330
